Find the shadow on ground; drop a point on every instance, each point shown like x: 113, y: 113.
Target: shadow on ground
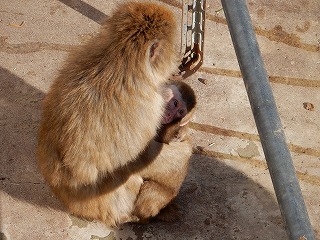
x: 86, y: 10
x: 217, y: 202
x: 20, y: 107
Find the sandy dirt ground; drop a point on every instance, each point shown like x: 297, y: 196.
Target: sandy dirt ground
x: 228, y: 193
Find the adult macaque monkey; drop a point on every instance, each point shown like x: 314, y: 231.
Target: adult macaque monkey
x: 163, y: 176
x: 102, y: 111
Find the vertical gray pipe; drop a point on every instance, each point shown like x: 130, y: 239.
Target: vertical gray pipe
x: 268, y: 123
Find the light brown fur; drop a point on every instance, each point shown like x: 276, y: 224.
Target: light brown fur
x: 103, y: 109
x: 163, y: 177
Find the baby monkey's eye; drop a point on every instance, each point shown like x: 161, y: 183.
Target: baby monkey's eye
x: 175, y: 102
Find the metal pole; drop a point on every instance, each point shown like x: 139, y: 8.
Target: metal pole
x: 268, y: 123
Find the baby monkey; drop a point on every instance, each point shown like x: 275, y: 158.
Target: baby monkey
x: 164, y: 176
x: 180, y: 107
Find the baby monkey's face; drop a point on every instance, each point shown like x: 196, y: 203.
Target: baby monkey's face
x: 175, y: 105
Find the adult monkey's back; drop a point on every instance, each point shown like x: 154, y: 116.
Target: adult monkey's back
x: 104, y: 108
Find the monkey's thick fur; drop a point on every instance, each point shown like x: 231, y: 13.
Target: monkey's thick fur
x: 101, y: 113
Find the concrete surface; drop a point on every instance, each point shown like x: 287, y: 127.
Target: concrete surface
x: 228, y: 193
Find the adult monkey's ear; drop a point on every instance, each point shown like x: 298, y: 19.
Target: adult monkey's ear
x: 154, y: 50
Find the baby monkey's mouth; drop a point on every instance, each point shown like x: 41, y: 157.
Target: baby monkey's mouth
x: 165, y: 119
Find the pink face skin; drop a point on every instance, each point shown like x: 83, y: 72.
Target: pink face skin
x: 176, y: 107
